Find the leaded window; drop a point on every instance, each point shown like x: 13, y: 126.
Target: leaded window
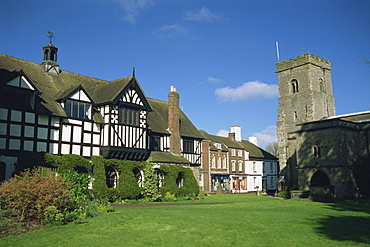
x: 188, y: 145
x: 78, y: 109
x: 129, y: 116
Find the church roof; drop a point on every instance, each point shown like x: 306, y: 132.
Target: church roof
x: 353, y: 117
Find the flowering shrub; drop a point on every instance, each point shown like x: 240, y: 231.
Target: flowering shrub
x: 31, y: 192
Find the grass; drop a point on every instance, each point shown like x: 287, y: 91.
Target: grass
x: 249, y: 221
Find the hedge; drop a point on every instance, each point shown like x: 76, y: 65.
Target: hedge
x: 128, y: 187
x: 172, y: 173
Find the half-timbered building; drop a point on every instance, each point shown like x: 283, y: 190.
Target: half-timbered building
x: 46, y: 109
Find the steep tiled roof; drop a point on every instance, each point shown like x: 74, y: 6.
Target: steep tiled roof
x: 54, y: 87
x: 214, y: 139
x: 167, y: 157
x: 254, y: 151
x: 158, y: 120
x: 228, y: 142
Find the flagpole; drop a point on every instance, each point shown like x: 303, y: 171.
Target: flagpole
x: 277, y: 51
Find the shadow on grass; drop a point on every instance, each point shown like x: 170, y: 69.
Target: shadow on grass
x: 346, y: 228
x: 358, y: 205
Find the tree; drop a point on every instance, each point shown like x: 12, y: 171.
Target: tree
x: 150, y: 190
x: 273, y: 148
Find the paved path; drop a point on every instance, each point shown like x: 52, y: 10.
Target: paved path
x: 166, y: 204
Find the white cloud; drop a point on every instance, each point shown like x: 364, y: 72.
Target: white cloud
x: 213, y: 80
x: 222, y: 132
x: 203, y: 15
x: 170, y: 31
x: 266, y: 136
x: 132, y: 8
x: 249, y: 90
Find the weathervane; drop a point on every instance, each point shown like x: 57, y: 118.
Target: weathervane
x: 50, y: 35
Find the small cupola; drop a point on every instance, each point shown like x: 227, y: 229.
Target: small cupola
x: 49, y: 56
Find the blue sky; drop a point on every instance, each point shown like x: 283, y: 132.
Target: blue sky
x: 220, y: 55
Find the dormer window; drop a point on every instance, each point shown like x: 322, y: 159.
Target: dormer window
x: 218, y: 145
x: 77, y: 109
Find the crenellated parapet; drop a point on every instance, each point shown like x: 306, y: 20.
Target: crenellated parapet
x: 300, y: 60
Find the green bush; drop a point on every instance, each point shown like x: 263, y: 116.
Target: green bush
x: 67, y: 162
x: 80, y: 183
x: 285, y: 193
x: 150, y: 190
x: 55, y: 216
x: 172, y: 174
x: 127, y: 188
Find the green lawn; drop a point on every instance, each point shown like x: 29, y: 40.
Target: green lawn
x: 250, y: 221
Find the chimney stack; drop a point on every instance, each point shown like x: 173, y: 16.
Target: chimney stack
x: 237, y: 130
x: 174, y: 121
x: 253, y: 140
x: 231, y: 135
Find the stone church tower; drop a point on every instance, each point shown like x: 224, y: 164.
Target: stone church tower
x: 305, y: 94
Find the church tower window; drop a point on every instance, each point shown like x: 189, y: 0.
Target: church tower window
x: 294, y: 84
x: 321, y: 85
x: 316, y: 150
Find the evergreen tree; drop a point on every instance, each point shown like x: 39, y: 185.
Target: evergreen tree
x: 150, y: 190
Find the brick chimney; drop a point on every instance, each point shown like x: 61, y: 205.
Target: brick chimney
x: 237, y: 130
x: 231, y: 135
x: 174, y: 121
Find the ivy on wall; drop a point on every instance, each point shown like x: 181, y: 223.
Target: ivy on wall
x: 178, y: 180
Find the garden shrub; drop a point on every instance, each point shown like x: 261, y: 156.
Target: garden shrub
x: 150, y: 190
x: 55, y: 216
x: 127, y: 188
x: 170, y: 176
x: 190, y: 185
x: 80, y: 183
x: 67, y: 162
x: 285, y: 193
x: 31, y: 192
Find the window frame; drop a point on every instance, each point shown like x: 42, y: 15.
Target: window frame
x: 77, y: 109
